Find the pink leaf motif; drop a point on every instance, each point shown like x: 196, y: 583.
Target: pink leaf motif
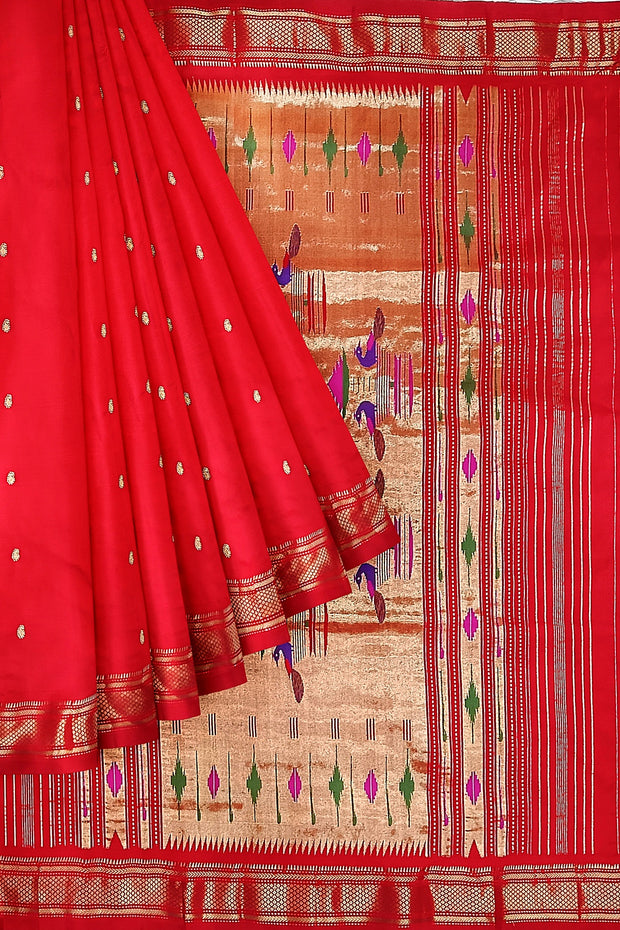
x: 212, y: 136
x: 473, y: 787
x: 371, y: 787
x: 470, y: 465
x: 466, y: 151
x: 114, y: 779
x: 470, y: 624
x: 364, y: 148
x: 294, y: 785
x: 468, y: 307
x: 213, y: 782
x: 289, y: 146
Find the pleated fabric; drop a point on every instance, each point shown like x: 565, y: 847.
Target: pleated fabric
x: 178, y: 478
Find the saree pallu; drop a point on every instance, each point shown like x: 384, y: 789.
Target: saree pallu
x: 436, y: 189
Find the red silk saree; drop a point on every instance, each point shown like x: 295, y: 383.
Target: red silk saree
x: 167, y: 500
x: 435, y: 189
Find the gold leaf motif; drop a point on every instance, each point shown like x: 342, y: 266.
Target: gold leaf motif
x: 16, y: 555
x: 21, y: 631
x: 152, y: 250
x: 198, y: 543
x: 121, y: 481
x: 115, y: 166
x: 142, y: 637
x: 135, y: 310
x: 161, y: 393
x: 132, y: 558
x: 144, y: 106
x: 145, y: 318
x: 226, y: 550
x: 6, y: 326
x: 10, y: 478
x: 93, y: 254
x: 171, y: 178
x: 169, y: 322
x: 187, y: 398
x: 104, y: 330
x: 286, y: 468
x: 161, y: 461
x: 148, y: 387
x: 78, y: 103
x: 101, y: 92
x: 87, y: 178
x: 257, y: 397
x: 228, y: 326
x: 206, y: 474
x: 70, y: 31
x: 110, y: 406
x: 129, y: 243
x: 8, y: 401
x: 180, y: 468
x: 4, y: 250
x: 121, y: 33
x: 200, y: 254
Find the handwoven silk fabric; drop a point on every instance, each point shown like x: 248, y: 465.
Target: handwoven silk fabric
x: 435, y: 187
x: 168, y: 497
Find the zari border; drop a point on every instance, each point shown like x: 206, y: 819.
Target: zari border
x: 282, y: 887
x: 208, y: 40
x: 356, y: 516
x: 37, y: 735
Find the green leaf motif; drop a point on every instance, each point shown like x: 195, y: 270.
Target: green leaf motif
x: 336, y: 785
x: 406, y: 786
x: 254, y: 783
x: 330, y: 148
x: 468, y: 385
x: 468, y: 546
x: 250, y: 145
x: 472, y: 702
x: 467, y: 230
x: 178, y: 779
x: 399, y: 150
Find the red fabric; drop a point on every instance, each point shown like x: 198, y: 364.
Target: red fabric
x: 166, y: 503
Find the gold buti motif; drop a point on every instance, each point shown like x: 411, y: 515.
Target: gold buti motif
x: 110, y: 406
x: 101, y: 92
x: 21, y: 631
x: 132, y: 557
x: 4, y: 250
x: 171, y: 178
x: 148, y: 387
x: 169, y: 322
x: 135, y: 310
x: 206, y: 474
x: 78, y: 103
x: 286, y: 468
x: 8, y: 401
x: 115, y: 166
x: 121, y: 33
x: 104, y: 330
x: 161, y: 393
x: 226, y: 551
x: 187, y: 398
x: 10, y: 478
x: 199, y: 253
x: 16, y: 555
x: 198, y: 543
x: 70, y: 31
x: 141, y: 637
x: 93, y: 254
x: 144, y: 106
x: 228, y: 326
x: 257, y: 397
x: 161, y: 461
x: 87, y: 178
x: 129, y: 243
x: 121, y: 481
x: 180, y: 468
x: 152, y: 250
x: 145, y: 318
x: 1, y: 172
x: 6, y: 326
